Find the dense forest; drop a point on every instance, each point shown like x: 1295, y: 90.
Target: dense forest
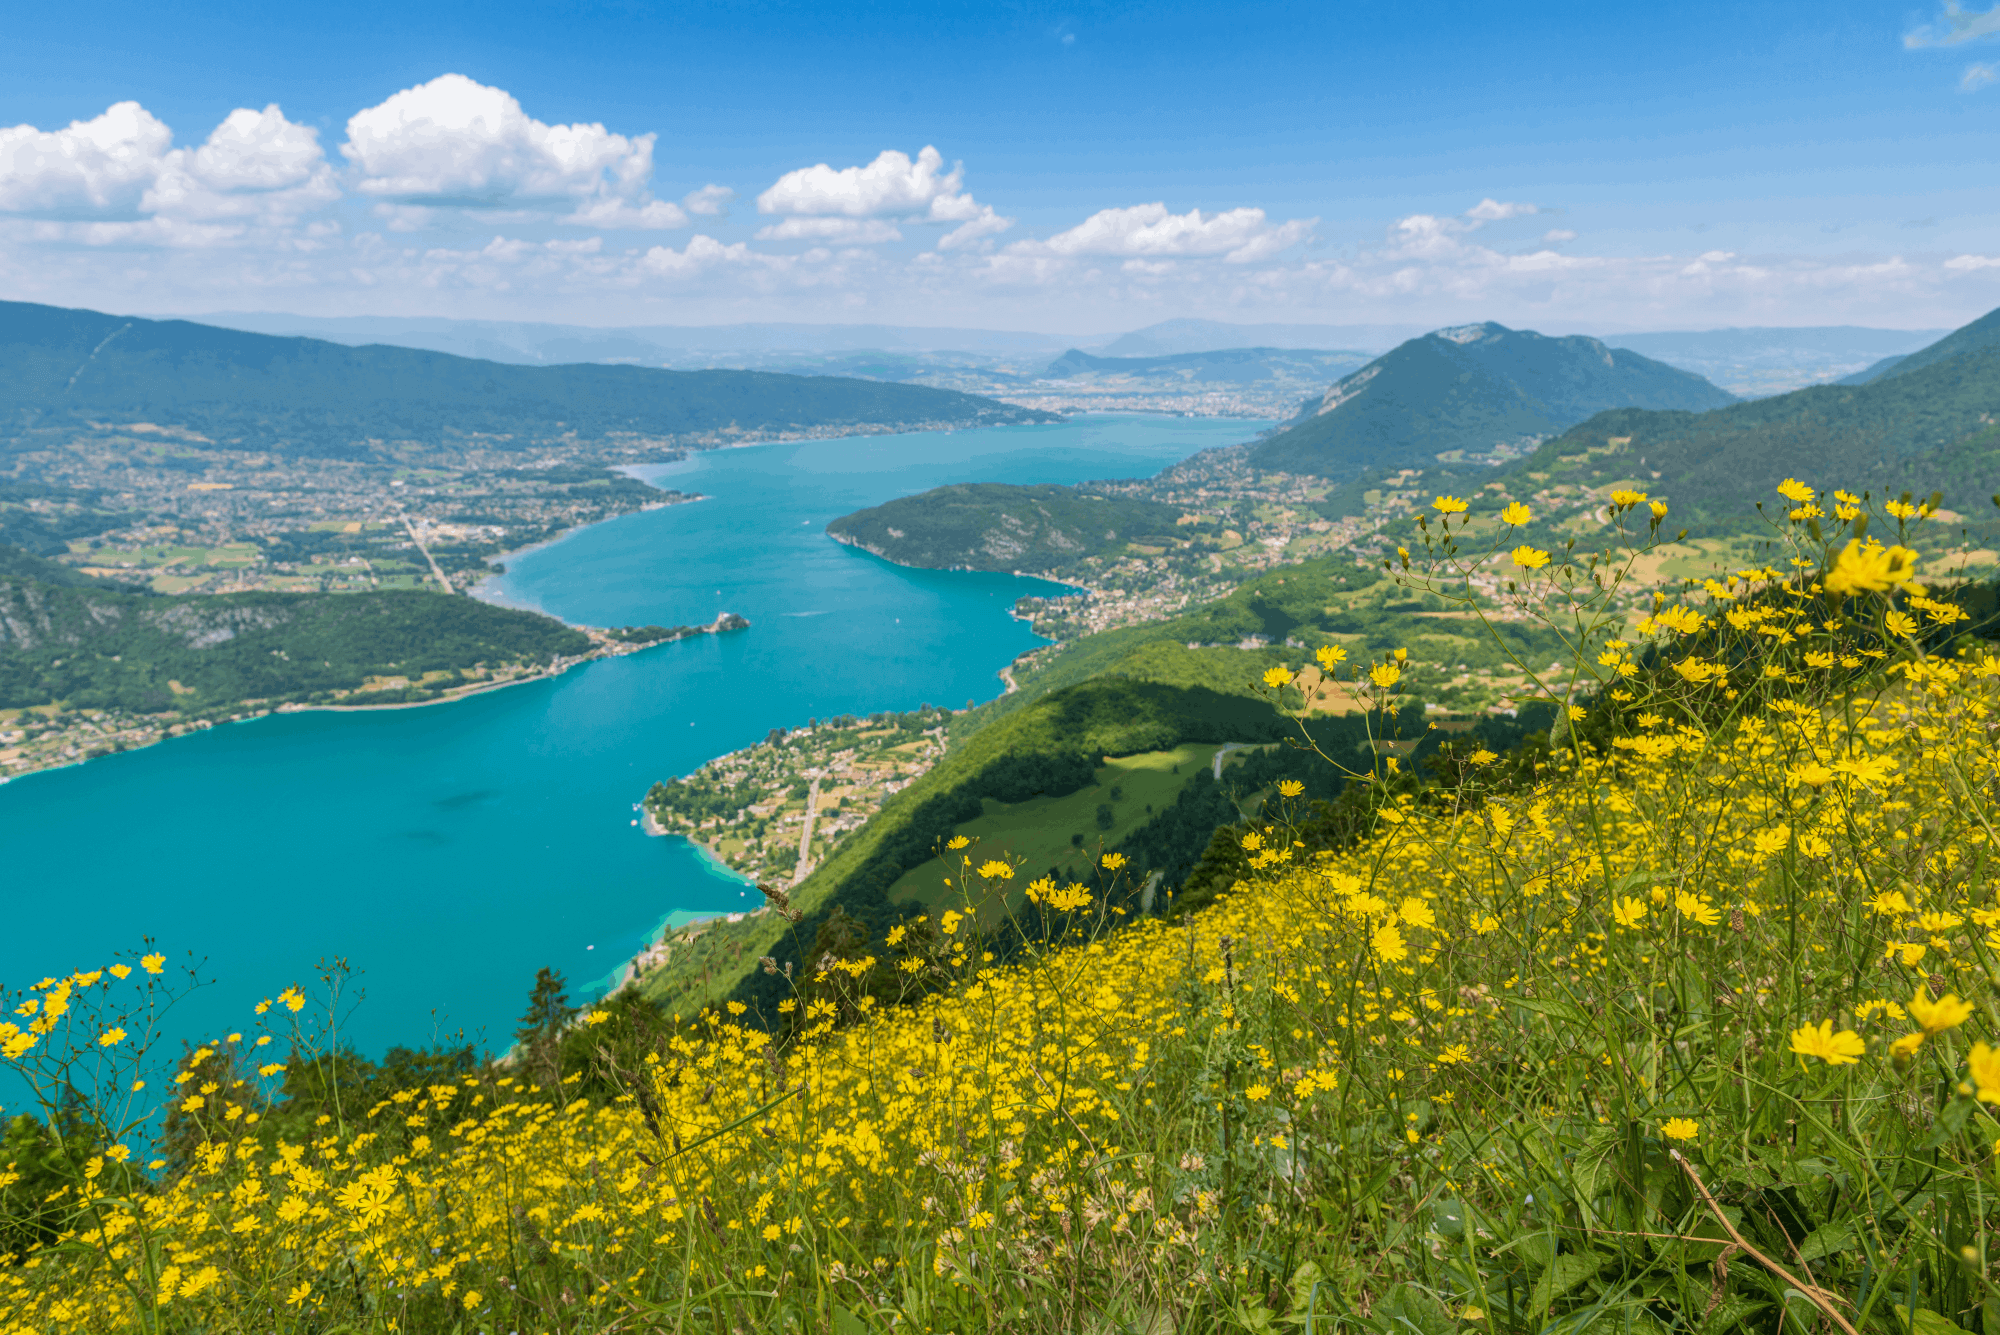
x: 1929, y: 423
x: 65, y: 638
x: 1050, y: 749
x: 66, y: 369
x: 999, y: 526
x: 1470, y: 389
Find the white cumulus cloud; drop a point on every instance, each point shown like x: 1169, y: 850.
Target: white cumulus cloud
x: 1432, y: 234
x: 610, y: 211
x: 254, y: 163
x: 1978, y: 75
x: 119, y: 174
x: 457, y: 143
x: 699, y: 254
x: 1238, y: 235
x: 981, y: 225
x: 1557, y: 236
x: 1954, y: 26
x: 847, y: 231
x: 95, y: 168
x: 892, y: 186
x: 1493, y: 210
x: 711, y: 201
x: 1972, y: 263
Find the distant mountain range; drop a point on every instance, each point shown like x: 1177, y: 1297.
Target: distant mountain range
x: 1759, y: 361
x: 1930, y: 421
x: 65, y: 368
x: 1472, y: 390
x: 1747, y: 361
x: 1181, y: 336
x: 534, y: 343
x: 539, y: 343
x: 1226, y: 366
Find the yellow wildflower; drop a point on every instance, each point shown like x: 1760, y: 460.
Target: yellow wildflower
x: 1530, y: 558
x: 1947, y: 1012
x: 1841, y: 1049
x: 1870, y: 568
x: 1984, y: 1065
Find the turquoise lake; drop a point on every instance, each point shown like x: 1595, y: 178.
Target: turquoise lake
x: 448, y: 852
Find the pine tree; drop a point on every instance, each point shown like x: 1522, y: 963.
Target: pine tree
x: 548, y: 1013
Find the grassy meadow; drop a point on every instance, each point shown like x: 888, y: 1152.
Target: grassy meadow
x: 1044, y: 833
x: 1687, y: 1026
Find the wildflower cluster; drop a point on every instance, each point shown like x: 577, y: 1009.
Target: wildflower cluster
x: 1697, y: 1029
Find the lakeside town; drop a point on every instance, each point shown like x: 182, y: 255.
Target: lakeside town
x: 48, y: 737
x: 773, y: 811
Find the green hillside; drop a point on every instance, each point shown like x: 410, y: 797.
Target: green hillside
x: 998, y: 526
x: 1472, y: 389
x: 1050, y: 749
x: 62, y: 368
x: 1978, y: 336
x: 1931, y: 427
x: 1033, y: 767
x: 64, y: 641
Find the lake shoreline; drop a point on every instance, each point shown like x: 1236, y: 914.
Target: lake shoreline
x: 525, y: 800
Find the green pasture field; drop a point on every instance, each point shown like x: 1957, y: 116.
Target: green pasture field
x: 1036, y: 833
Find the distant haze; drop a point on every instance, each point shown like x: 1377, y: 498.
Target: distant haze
x: 1171, y: 336
x: 1752, y: 362
x: 517, y: 341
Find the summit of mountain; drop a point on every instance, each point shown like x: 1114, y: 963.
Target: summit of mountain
x: 1472, y: 390
x: 1926, y: 423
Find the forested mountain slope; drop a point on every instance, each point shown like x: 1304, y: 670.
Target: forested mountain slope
x: 1931, y: 425
x: 1000, y: 526
x: 64, y: 641
x: 1471, y: 389
x: 64, y: 368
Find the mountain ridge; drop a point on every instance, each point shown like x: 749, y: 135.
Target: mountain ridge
x: 1929, y: 423
x: 1472, y: 388
x: 68, y: 369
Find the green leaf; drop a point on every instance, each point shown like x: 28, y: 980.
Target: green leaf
x: 1565, y: 1273
x: 1826, y: 1240
x: 1950, y: 1123
x: 1592, y: 1169
x: 846, y: 1323
x: 1927, y: 1322
x: 1411, y: 1309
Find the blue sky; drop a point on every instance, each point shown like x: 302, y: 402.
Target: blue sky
x: 1096, y: 167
